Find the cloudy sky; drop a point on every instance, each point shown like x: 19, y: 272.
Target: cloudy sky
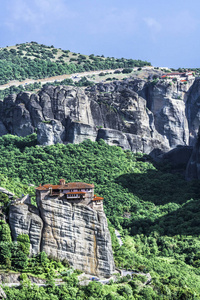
x: 164, y: 32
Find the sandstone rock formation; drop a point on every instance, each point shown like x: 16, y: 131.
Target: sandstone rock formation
x: 193, y: 167
x: 24, y: 219
x: 138, y: 115
x: 64, y: 230
x: 79, y: 234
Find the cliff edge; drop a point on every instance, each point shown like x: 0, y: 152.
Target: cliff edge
x: 67, y: 229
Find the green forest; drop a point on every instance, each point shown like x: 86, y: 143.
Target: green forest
x: 156, y: 211
x: 36, y: 61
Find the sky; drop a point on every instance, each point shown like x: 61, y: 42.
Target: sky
x: 163, y: 32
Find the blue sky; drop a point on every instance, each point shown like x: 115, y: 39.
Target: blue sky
x: 164, y: 32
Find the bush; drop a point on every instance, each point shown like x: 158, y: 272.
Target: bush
x: 117, y: 72
x: 5, y: 234
x: 5, y: 253
x: 127, y: 70
x: 19, y: 260
x: 124, y: 290
x: 24, y: 243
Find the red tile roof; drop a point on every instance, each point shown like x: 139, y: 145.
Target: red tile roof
x: 41, y: 188
x: 96, y: 198
x: 56, y: 187
x: 79, y: 185
x: 70, y: 186
x: 78, y: 193
x: 47, y: 185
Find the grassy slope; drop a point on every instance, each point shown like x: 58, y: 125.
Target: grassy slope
x: 164, y: 209
x: 32, y: 60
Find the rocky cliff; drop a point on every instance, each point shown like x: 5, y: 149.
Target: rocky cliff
x: 193, y: 166
x: 24, y: 218
x: 138, y: 115
x: 75, y: 232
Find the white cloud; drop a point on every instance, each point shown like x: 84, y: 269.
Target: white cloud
x: 37, y: 13
x: 153, y: 25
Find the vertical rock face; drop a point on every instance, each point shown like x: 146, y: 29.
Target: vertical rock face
x: 193, y: 167
x: 168, y: 104
x: 50, y: 133
x: 79, y: 234
x: 193, y: 110
x: 138, y: 115
x: 79, y: 132
x: 64, y: 230
x: 25, y: 219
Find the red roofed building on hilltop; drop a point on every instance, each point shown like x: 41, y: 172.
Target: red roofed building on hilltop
x: 72, y: 192
x: 188, y: 75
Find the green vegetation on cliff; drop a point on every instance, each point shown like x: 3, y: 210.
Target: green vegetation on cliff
x: 157, y: 212
x: 32, y: 60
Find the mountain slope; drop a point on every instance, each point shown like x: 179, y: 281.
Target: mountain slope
x: 32, y: 60
x: 157, y: 208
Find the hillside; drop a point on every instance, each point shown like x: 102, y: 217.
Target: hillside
x: 156, y: 210
x: 32, y: 60
x: 112, y: 125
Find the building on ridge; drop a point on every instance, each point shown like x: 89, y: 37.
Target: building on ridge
x: 72, y: 192
x: 179, y: 76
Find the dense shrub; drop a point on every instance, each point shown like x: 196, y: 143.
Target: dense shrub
x: 127, y: 70
x: 157, y: 212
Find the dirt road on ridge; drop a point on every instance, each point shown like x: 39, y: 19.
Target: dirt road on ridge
x: 52, y: 79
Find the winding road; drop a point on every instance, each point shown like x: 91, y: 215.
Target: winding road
x: 130, y: 272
